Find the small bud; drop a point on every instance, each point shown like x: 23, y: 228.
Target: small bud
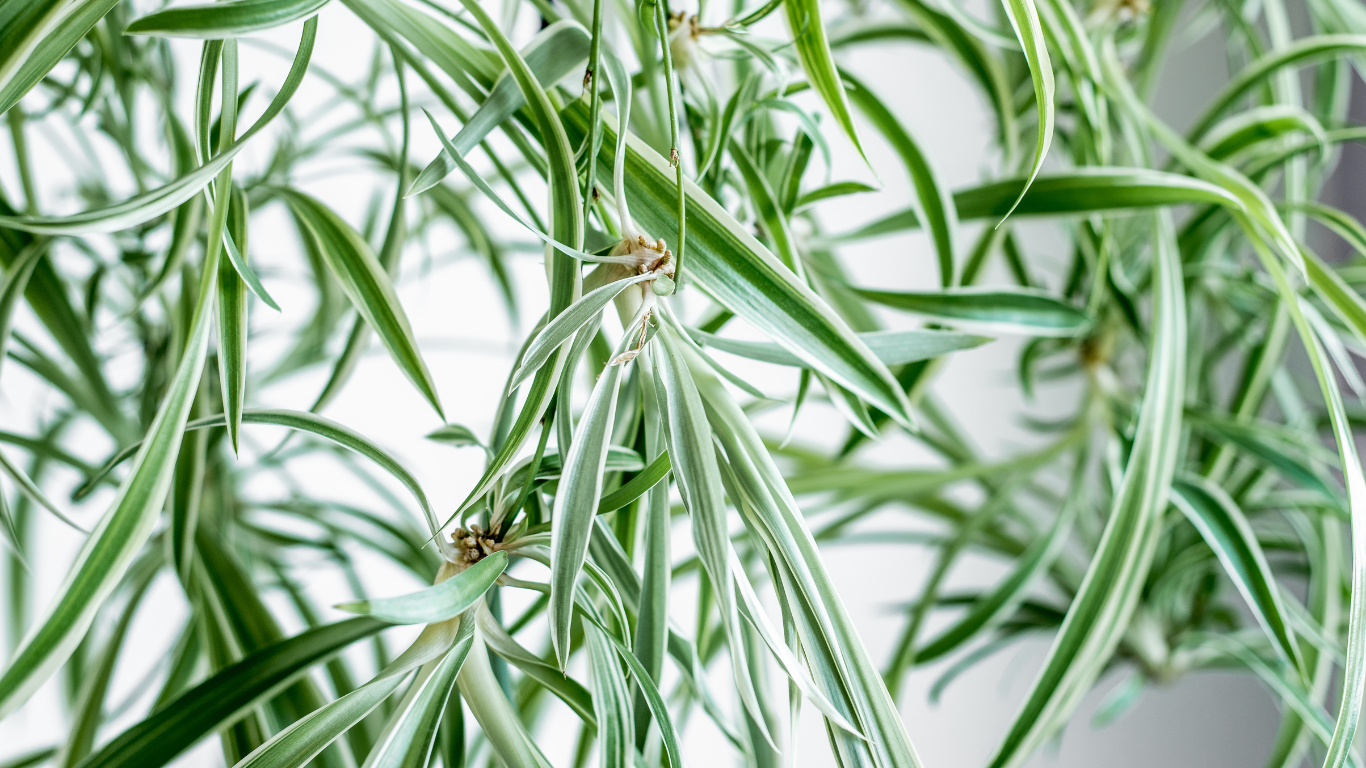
x: 673, y: 157
x: 662, y: 285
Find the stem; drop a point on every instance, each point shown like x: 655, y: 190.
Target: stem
x: 590, y: 80
x: 662, y: 25
x: 501, y: 723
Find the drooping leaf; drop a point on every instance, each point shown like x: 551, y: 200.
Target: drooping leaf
x: 123, y: 529
x: 1105, y: 601
x: 813, y: 50
x: 1228, y: 533
x: 149, y: 205
x: 367, y: 285
x: 1024, y: 17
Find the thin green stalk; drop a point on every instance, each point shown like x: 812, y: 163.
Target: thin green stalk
x: 670, y: 82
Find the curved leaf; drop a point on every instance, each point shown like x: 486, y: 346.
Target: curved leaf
x: 150, y: 205
x: 444, y: 600
x: 367, y: 284
x: 1227, y: 532
x: 216, y: 21
x: 813, y: 50
x: 1019, y: 310
x: 304, y: 422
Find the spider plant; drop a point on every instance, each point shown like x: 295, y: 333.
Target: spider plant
x: 1202, y: 504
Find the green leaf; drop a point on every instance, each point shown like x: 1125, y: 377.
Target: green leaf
x: 390, y: 254
x: 935, y: 208
x: 1019, y: 310
x: 33, y: 492
x: 38, y: 34
x: 1024, y: 17
x: 891, y: 347
x: 638, y: 486
x: 1266, y: 123
x: 216, y: 21
x: 731, y: 266
x: 307, y: 737
x: 225, y: 697
x: 412, y: 728
x: 1224, y: 528
x: 149, y: 205
x: 831, y: 191
x: 367, y: 285
x: 16, y: 280
x: 1345, y: 302
x: 553, y: 53
x: 1100, y: 611
x: 1285, y: 456
x: 1086, y: 191
x: 1302, y: 52
x: 444, y: 600
x: 456, y: 435
x: 808, y: 37
x: 576, y: 501
x: 497, y: 718
x: 232, y: 323
x: 766, y: 205
x: 1081, y: 190
x: 565, y: 688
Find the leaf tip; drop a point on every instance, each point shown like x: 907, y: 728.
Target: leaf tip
x: 355, y: 606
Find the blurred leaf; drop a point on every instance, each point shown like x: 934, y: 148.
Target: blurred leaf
x: 223, y: 698
x: 150, y: 205
x: 1022, y: 311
